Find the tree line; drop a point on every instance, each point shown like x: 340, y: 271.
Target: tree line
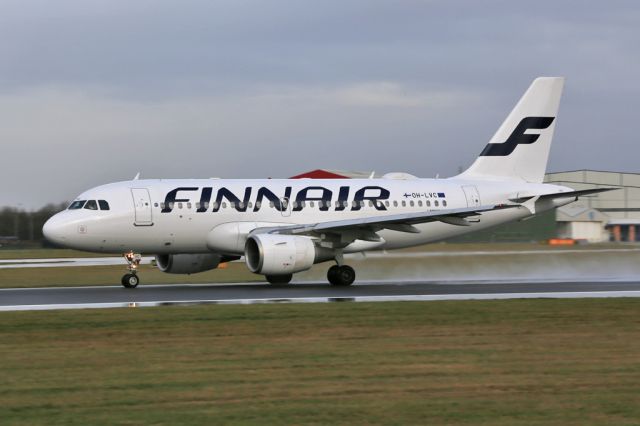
x: 26, y: 225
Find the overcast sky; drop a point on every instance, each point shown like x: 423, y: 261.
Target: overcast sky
x: 94, y: 91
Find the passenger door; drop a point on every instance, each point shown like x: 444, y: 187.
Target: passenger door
x: 472, y: 195
x: 142, y: 206
x: 286, y: 206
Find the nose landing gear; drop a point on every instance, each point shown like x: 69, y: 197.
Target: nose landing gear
x: 131, y: 280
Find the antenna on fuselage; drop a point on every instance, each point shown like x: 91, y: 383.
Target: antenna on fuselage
x: 136, y: 177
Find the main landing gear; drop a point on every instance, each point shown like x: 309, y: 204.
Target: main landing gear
x: 341, y: 275
x: 131, y: 280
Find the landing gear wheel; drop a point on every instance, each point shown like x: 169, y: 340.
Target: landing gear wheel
x: 332, y: 273
x: 279, y: 279
x: 341, y: 275
x: 130, y: 281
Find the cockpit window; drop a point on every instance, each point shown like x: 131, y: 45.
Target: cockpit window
x: 77, y: 204
x: 91, y: 205
x: 103, y: 205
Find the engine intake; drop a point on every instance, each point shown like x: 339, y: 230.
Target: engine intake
x: 272, y: 254
x: 187, y: 263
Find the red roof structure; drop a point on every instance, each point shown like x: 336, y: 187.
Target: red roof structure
x: 320, y: 174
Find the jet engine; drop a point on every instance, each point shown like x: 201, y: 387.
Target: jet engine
x: 187, y: 263
x: 273, y: 254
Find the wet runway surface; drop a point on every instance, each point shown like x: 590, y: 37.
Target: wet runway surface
x: 154, y: 295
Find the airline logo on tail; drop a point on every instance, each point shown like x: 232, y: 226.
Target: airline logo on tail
x: 518, y: 136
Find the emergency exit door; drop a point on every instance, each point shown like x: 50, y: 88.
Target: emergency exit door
x: 142, y: 206
x: 472, y: 195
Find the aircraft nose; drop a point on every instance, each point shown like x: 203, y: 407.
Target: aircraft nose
x: 53, y: 230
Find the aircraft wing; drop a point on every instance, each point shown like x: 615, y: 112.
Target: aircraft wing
x: 365, y: 228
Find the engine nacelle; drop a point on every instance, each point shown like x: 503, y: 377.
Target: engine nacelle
x: 272, y: 254
x: 187, y: 263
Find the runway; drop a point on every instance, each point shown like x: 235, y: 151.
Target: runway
x: 307, y: 292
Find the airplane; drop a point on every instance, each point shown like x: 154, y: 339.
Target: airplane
x: 285, y: 226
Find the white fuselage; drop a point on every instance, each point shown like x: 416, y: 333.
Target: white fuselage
x: 201, y: 217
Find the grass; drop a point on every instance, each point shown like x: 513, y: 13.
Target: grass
x: 42, y: 253
x: 517, y: 362
x: 110, y: 275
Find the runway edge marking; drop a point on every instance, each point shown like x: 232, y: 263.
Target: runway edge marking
x: 407, y: 298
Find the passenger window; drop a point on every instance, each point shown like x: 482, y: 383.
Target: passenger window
x: 444, y: 203
x: 312, y: 204
x: 105, y: 206
x: 216, y: 206
x: 206, y: 205
x: 198, y: 205
x: 77, y: 205
x: 370, y: 203
x: 386, y: 203
x: 258, y: 205
x: 249, y: 204
x: 162, y: 206
x: 179, y: 205
x: 91, y: 205
x: 420, y: 203
x: 395, y: 204
x: 154, y: 204
x: 428, y: 203
x: 411, y: 203
x: 404, y: 204
x: 189, y: 206
x: 271, y: 204
x: 224, y: 205
x: 171, y: 205
x: 435, y: 203
x: 241, y: 205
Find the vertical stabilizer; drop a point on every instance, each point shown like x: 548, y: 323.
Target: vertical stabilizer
x: 520, y: 148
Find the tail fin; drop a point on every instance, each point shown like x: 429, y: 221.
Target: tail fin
x: 520, y: 148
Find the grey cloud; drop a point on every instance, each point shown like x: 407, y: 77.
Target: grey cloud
x: 186, y: 88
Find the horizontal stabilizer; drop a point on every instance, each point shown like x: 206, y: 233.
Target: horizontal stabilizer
x: 530, y: 201
x: 578, y: 193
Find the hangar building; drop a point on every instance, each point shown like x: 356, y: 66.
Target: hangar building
x: 615, y: 213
